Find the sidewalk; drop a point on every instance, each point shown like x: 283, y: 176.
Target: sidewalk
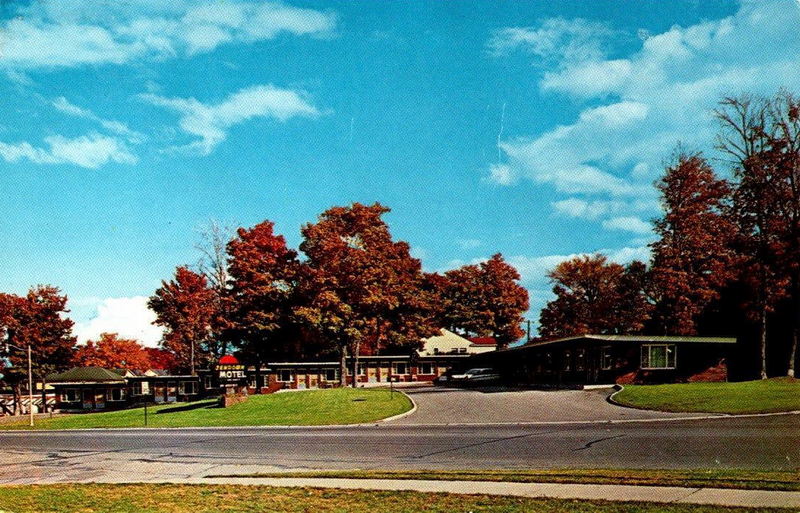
x: 722, y: 497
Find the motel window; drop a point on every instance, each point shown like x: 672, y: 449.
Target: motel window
x: 136, y: 388
x: 114, y: 394
x: 188, y: 388
x: 566, y: 364
x: 427, y: 368
x: 285, y: 375
x: 330, y: 374
x: 362, y: 369
x: 606, y: 361
x: 206, y: 381
x: 580, y: 360
x: 658, y: 356
x: 400, y: 368
x: 70, y: 395
x: 251, y: 381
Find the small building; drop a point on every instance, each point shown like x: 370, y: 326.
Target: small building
x: 604, y: 359
x: 88, y: 389
x: 95, y: 388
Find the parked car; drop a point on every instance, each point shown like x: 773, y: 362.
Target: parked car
x: 477, y: 376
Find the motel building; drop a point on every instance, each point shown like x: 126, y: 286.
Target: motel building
x: 97, y: 389
x: 610, y: 359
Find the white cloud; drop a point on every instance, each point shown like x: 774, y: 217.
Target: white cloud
x: 469, y: 243
x: 210, y: 122
x: 89, y: 151
x: 49, y: 34
x: 554, y: 38
x: 117, y: 127
x: 128, y: 316
x: 645, y: 102
x: 628, y: 224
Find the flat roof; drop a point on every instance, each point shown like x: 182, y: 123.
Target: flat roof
x: 645, y: 339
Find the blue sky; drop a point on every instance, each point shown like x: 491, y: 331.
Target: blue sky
x: 534, y: 129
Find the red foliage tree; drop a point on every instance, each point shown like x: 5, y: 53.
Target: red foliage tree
x: 693, y: 257
x: 186, y: 307
x: 483, y: 300
x: 595, y: 296
x: 363, y: 290
x: 112, y: 352
x: 264, y: 274
x: 161, y: 359
x: 37, y: 320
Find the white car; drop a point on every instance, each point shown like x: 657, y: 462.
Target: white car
x: 479, y: 375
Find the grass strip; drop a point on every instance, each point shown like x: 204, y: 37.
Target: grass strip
x: 728, y: 478
x: 304, y: 408
x: 762, y: 396
x: 152, y: 498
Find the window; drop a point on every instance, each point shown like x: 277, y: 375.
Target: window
x: 206, y: 381
x: 251, y: 381
x: 400, y: 368
x: 427, y: 368
x: 285, y: 375
x: 136, y: 388
x: 70, y: 395
x: 362, y: 369
x: 606, y: 361
x: 188, y: 387
x: 114, y: 394
x: 580, y: 360
x: 330, y: 374
x: 566, y: 364
x: 658, y: 356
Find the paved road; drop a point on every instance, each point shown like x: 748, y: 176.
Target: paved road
x: 439, y: 405
x: 139, y: 455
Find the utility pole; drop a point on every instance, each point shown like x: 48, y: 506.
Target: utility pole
x: 528, y: 339
x: 30, y: 382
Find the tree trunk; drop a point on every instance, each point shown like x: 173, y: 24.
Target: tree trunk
x: 762, y: 335
x: 796, y: 328
x: 17, y: 406
x: 342, y: 365
x: 258, y: 376
x: 44, y: 395
x: 356, y: 352
x: 792, y: 354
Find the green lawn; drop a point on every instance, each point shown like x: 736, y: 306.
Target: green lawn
x: 763, y: 396
x: 306, y: 408
x: 149, y: 498
x: 715, y: 478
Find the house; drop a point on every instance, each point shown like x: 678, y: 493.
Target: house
x: 595, y: 359
x: 95, y: 388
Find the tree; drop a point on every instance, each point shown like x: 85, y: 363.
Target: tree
x: 363, y: 290
x: 264, y: 274
x: 693, y: 259
x: 595, y: 296
x: 37, y: 320
x: 161, y: 359
x: 113, y: 352
x: 186, y: 307
x: 747, y: 134
x: 484, y: 300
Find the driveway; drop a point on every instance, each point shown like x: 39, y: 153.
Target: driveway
x: 443, y: 405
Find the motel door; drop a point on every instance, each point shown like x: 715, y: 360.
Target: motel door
x: 372, y: 374
x: 312, y: 380
x: 172, y: 391
x: 301, y: 379
x: 100, y: 399
x: 159, y: 392
x: 87, y: 398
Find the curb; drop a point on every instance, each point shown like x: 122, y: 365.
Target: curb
x: 405, y: 414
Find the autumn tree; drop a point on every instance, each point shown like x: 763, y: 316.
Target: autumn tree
x: 594, y: 295
x: 38, y: 320
x: 483, y: 299
x: 161, y: 359
x: 363, y: 290
x: 264, y: 275
x: 186, y: 307
x: 112, y: 352
x: 748, y: 136
x: 693, y: 257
